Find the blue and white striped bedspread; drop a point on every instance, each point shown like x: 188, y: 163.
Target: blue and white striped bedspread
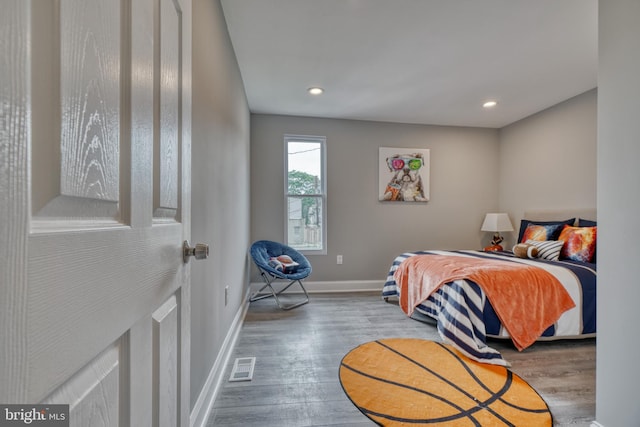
x: 465, y: 318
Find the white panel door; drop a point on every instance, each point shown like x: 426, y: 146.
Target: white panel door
x: 95, y: 102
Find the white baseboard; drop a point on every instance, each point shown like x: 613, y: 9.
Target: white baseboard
x: 332, y: 286
x: 596, y: 424
x: 204, y: 405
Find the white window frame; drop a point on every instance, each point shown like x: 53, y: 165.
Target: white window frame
x: 323, y: 188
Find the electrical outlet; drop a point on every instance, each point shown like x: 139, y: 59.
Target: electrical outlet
x: 339, y: 259
x: 226, y: 295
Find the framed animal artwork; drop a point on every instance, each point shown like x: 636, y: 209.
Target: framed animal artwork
x: 403, y: 174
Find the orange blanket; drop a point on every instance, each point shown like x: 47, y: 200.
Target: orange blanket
x: 526, y: 299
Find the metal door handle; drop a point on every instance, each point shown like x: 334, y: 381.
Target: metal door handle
x: 199, y: 251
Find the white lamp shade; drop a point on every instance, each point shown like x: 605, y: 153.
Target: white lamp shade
x: 496, y: 222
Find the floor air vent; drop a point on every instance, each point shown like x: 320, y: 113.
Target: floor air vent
x: 243, y: 369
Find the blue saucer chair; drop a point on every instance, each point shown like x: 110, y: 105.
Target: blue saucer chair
x: 263, y: 253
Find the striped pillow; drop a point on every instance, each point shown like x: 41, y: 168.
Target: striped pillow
x: 548, y: 249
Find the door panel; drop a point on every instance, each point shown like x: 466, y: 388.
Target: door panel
x: 78, y: 103
x: 165, y: 363
x: 94, y: 391
x: 94, y: 302
x: 90, y: 95
x: 168, y: 89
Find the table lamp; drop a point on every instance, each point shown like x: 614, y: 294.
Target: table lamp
x: 496, y: 222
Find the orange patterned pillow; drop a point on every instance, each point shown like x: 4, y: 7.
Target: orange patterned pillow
x: 540, y: 232
x: 579, y: 243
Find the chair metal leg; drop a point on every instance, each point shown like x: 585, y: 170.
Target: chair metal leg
x: 269, y: 280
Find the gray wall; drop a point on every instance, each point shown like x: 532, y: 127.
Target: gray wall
x: 220, y: 188
x: 548, y: 160
x: 367, y: 232
x: 618, y: 371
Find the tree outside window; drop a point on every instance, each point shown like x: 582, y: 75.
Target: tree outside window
x: 305, y: 193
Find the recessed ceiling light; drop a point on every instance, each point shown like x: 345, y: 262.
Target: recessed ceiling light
x: 490, y: 104
x: 315, y: 90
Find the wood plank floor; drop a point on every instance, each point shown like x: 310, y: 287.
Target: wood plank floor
x: 295, y: 382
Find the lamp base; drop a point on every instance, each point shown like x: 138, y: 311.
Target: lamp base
x: 493, y: 248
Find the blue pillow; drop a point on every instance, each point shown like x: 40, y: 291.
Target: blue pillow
x: 587, y: 223
x: 554, y: 236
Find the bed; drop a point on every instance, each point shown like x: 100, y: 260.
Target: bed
x: 475, y: 295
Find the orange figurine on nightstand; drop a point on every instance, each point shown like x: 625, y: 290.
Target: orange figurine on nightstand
x: 495, y: 244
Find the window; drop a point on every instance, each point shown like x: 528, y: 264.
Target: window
x: 305, y: 193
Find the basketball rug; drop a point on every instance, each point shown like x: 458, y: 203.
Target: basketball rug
x: 413, y: 382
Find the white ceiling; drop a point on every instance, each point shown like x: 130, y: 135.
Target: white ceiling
x: 414, y: 61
